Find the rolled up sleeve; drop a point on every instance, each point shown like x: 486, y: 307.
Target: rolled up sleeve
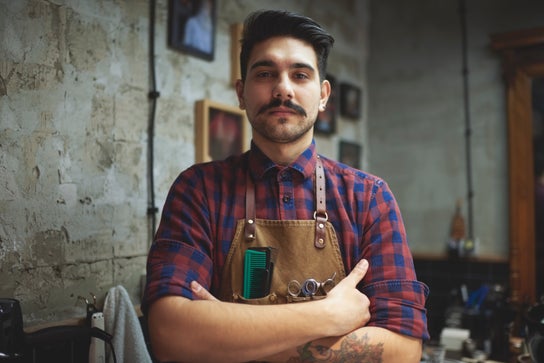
x: 399, y: 306
x: 170, y: 269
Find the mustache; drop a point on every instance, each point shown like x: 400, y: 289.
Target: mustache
x: 276, y: 102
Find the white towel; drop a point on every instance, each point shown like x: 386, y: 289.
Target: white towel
x: 121, y: 321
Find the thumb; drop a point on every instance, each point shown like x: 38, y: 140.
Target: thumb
x: 358, y: 272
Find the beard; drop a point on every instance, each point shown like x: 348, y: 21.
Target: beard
x: 282, y: 129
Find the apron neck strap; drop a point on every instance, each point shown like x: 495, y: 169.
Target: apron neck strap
x: 249, y: 228
x: 320, y: 215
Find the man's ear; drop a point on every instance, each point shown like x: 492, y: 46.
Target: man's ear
x: 240, y: 94
x: 325, y: 94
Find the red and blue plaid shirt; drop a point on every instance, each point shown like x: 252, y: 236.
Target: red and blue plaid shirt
x: 206, y: 200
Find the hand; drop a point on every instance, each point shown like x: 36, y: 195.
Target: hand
x: 348, y: 306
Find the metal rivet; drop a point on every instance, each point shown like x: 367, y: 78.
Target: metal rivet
x: 250, y: 221
x: 321, y: 225
x: 321, y: 241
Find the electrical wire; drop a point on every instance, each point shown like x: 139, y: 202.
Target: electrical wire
x: 468, y: 130
x: 153, y: 95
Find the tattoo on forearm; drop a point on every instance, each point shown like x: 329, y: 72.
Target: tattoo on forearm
x: 353, y: 349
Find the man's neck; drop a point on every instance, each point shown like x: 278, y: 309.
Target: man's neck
x: 283, y: 154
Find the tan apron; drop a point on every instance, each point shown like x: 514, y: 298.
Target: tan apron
x: 303, y: 249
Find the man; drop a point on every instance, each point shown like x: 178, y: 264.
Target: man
x: 317, y: 221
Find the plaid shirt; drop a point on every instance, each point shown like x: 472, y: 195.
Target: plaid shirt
x: 206, y: 200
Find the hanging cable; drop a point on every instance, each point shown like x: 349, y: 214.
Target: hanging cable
x: 468, y: 130
x: 153, y: 95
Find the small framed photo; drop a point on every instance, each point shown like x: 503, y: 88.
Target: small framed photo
x: 350, y: 100
x: 220, y: 131
x: 350, y: 153
x: 326, y: 120
x: 191, y: 27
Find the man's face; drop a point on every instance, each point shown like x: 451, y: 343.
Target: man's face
x: 282, y: 93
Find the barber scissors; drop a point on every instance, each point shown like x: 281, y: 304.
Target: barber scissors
x: 310, y: 287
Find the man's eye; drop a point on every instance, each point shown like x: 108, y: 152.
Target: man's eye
x: 301, y: 76
x: 264, y: 74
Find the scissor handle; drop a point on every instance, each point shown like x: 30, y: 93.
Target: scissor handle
x: 310, y: 287
x: 328, y: 284
x: 294, y: 288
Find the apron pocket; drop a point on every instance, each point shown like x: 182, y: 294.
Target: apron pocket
x: 265, y: 300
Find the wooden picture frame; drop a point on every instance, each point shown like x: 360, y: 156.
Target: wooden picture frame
x: 349, y: 153
x: 220, y: 131
x: 191, y: 27
x: 236, y: 31
x: 326, y: 120
x: 350, y: 100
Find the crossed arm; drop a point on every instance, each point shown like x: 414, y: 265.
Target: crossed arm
x: 327, y: 330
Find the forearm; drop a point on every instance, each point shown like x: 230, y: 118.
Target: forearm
x: 364, y: 345
x: 214, y: 331
x: 209, y: 330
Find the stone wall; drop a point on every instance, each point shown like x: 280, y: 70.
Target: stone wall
x: 74, y: 81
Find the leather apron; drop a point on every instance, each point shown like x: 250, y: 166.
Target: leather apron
x: 302, y: 249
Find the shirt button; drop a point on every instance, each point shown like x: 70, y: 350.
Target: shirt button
x: 285, y: 176
x: 286, y: 198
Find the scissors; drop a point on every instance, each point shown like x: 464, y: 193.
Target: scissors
x: 310, y: 287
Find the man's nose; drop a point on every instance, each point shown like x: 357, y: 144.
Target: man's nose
x: 283, y: 88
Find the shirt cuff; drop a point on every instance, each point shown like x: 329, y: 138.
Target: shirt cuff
x: 399, y: 306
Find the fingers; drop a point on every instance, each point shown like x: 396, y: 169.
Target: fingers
x: 357, y: 274
x: 200, y: 292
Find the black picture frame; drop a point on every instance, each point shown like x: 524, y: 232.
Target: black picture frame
x: 350, y: 153
x: 326, y: 120
x: 350, y: 100
x: 192, y: 27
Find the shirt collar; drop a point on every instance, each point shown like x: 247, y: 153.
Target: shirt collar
x: 260, y: 164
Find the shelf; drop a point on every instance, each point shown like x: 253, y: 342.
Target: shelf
x: 444, y: 257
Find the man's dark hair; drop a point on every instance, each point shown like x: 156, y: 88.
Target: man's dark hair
x: 264, y: 24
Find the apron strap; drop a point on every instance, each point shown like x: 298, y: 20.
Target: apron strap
x: 249, y: 229
x: 320, y: 214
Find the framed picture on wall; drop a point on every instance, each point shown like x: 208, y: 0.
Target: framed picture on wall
x: 326, y: 120
x: 350, y: 100
x: 236, y: 31
x: 220, y: 131
x: 191, y: 27
x: 350, y: 153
